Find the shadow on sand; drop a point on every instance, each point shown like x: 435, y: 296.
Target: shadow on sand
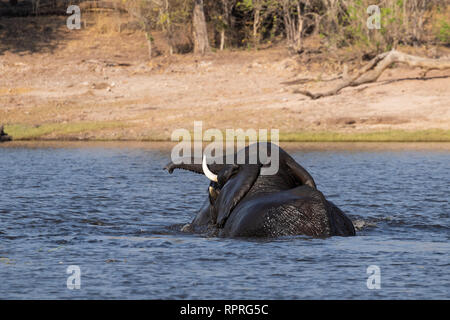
x: 32, y: 34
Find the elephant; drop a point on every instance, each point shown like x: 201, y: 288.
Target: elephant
x: 244, y: 203
x: 3, y: 135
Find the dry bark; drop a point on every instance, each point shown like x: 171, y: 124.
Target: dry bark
x: 372, y: 71
x: 201, y: 42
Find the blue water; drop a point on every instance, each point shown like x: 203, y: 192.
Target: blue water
x: 116, y: 214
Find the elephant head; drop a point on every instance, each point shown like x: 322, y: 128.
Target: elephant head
x: 232, y: 182
x: 245, y: 201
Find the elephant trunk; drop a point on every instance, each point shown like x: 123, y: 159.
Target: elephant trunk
x: 193, y: 165
x: 190, y: 167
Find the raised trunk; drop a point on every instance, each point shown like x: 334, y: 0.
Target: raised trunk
x: 201, y: 43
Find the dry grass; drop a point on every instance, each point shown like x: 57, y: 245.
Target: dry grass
x: 100, y: 131
x: 59, y: 131
x: 435, y: 135
x: 55, y: 99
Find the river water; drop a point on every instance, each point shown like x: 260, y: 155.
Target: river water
x: 112, y: 211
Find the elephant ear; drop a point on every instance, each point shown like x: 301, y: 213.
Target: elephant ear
x: 300, y: 173
x: 234, y: 190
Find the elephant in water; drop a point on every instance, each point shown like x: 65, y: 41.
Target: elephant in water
x: 242, y: 202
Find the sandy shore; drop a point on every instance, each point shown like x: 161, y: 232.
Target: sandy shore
x: 104, y: 88
x: 290, y: 146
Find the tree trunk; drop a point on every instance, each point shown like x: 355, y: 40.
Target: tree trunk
x: 167, y: 26
x: 149, y: 43
x: 222, y: 40
x: 298, y: 39
x: 227, y: 7
x: 201, y: 43
x: 293, y: 25
x: 256, y: 23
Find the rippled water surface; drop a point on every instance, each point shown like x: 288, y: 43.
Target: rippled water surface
x: 115, y: 213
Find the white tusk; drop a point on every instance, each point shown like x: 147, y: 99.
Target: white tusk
x: 211, y: 176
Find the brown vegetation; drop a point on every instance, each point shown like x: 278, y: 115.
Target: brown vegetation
x: 372, y: 71
x: 99, y: 83
x: 254, y: 23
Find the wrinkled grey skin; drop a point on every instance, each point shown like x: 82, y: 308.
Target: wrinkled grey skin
x: 244, y: 203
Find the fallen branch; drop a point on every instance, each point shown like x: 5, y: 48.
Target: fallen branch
x: 306, y: 80
x: 372, y: 71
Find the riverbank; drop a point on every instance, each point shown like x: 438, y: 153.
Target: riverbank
x: 94, y: 86
x: 88, y: 131
x: 165, y: 146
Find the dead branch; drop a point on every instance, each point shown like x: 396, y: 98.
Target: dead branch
x: 306, y: 80
x: 373, y: 70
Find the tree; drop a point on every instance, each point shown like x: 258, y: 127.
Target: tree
x: 164, y: 15
x: 201, y: 42
x: 146, y: 17
x: 227, y: 7
x: 293, y: 24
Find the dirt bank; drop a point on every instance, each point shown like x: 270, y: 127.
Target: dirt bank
x: 103, y: 87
